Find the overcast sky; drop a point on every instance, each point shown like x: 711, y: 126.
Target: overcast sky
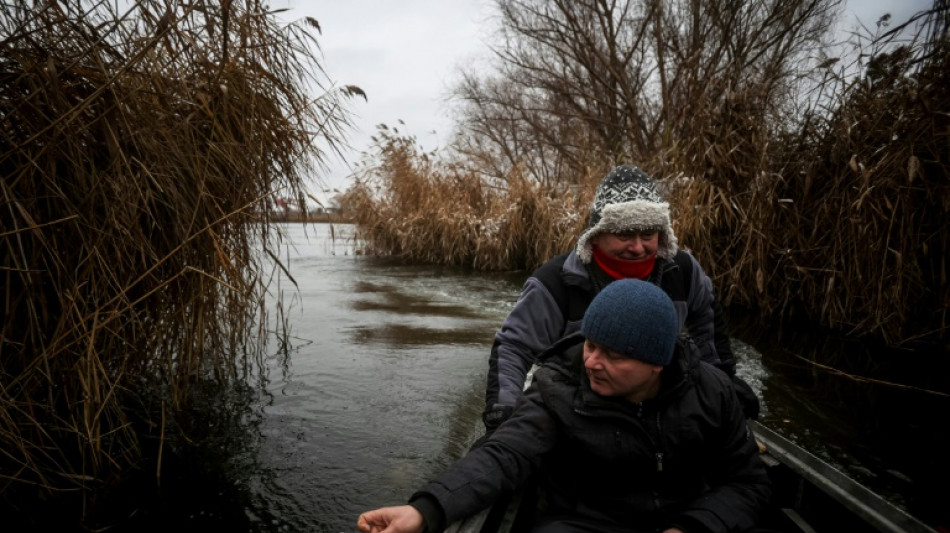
x: 404, y: 55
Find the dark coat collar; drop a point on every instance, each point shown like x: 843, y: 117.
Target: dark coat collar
x: 566, y: 359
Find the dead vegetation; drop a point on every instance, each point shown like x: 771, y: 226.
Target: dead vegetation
x: 138, y: 149
x: 846, y: 222
x: 413, y: 207
x: 809, y: 182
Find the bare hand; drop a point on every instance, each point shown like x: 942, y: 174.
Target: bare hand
x: 401, y: 519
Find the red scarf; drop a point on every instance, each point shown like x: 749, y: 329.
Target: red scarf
x: 622, y: 268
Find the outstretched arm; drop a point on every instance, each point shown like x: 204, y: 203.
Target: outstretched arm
x: 401, y: 519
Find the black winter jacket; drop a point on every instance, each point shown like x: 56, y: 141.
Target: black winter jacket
x: 685, y: 458
x: 552, y: 305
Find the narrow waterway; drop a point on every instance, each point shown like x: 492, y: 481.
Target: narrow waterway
x: 381, y: 384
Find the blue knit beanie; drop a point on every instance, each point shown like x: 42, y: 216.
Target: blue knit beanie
x: 634, y: 318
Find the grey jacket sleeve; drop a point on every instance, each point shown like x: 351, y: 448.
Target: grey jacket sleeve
x: 705, y: 321
x: 534, y: 323
x: 707, y: 327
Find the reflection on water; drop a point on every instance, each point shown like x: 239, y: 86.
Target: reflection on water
x: 391, y: 300
x: 381, y: 387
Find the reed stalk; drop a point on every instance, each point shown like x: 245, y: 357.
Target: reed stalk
x: 139, y: 147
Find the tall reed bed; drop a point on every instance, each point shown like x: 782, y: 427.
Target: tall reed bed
x: 411, y: 205
x: 138, y: 148
x: 846, y: 223
x: 831, y: 207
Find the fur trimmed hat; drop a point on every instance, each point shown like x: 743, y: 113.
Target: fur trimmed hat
x: 635, y: 319
x: 628, y: 199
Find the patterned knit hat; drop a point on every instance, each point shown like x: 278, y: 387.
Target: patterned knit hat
x: 627, y: 199
x: 634, y: 318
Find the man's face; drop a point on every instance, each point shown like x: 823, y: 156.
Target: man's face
x: 612, y: 374
x: 631, y: 246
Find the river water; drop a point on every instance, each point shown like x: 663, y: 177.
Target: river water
x: 381, y: 384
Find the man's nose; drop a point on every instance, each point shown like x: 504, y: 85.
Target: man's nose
x: 594, y: 358
x: 635, y: 244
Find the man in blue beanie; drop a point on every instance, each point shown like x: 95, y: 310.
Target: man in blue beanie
x: 625, y: 430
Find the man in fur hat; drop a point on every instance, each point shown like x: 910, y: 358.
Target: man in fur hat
x: 629, y: 235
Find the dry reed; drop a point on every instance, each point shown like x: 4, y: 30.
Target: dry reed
x: 410, y: 205
x: 845, y: 221
x: 830, y: 204
x: 138, y: 152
